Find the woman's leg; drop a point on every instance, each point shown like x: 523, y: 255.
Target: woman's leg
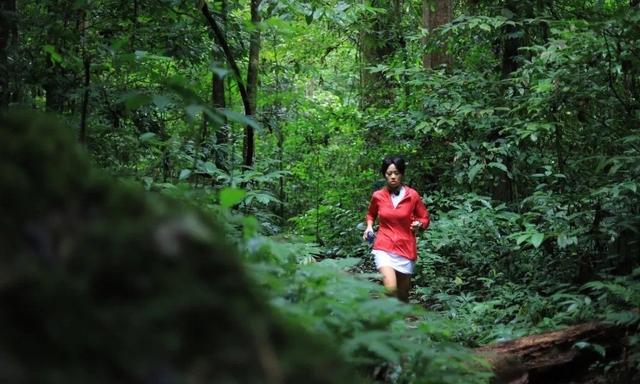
x: 389, y: 279
x: 403, y: 282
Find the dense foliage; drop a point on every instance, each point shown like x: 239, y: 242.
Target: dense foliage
x: 519, y: 121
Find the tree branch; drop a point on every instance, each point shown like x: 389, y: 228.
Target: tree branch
x: 229, y: 55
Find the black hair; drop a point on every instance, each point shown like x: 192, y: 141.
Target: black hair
x: 395, y: 160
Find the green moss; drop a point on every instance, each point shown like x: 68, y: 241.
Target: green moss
x: 104, y: 283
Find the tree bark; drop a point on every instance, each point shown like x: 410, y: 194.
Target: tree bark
x: 53, y: 86
x: 551, y: 355
x: 82, y: 136
x: 435, y: 13
x: 377, y: 43
x: 229, y: 56
x: 8, y: 32
x: 218, y: 93
x: 86, y: 61
x: 252, y: 81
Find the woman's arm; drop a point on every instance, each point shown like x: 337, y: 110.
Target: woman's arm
x: 421, y: 214
x: 372, y: 213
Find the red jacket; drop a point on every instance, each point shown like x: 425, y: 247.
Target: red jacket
x: 395, y: 234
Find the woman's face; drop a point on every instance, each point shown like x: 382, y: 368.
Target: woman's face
x: 393, y: 177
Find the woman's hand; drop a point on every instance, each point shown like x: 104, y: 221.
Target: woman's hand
x: 416, y: 226
x: 364, y: 235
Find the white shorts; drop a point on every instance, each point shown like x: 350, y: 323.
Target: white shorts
x: 397, y: 262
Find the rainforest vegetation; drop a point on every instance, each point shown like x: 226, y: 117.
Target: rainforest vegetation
x: 268, y: 120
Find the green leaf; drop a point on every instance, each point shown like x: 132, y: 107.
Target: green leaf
x: 506, y: 12
x: 564, y: 240
x: 309, y: 17
x: 162, y: 102
x: 536, y: 239
x: 231, y: 196
x: 135, y: 100
x: 599, y: 349
x: 53, y: 53
x: 499, y: 166
x: 250, y: 227
x: 345, y: 263
x: 184, y: 174
x: 240, y: 118
x: 220, y: 72
x: 522, y: 238
x: 474, y: 171
x: 614, y: 169
x: 209, y: 168
x: 632, y: 186
x: 147, y: 136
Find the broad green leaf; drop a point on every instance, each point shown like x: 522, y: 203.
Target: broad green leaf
x: 220, y: 72
x: 536, y: 239
x: 184, y: 174
x: 135, y: 100
x: 147, y: 136
x: 53, y: 53
x: 498, y: 165
x: 522, y: 238
x: 474, y: 171
x: 240, y: 118
x: 231, y: 196
x: 162, y: 102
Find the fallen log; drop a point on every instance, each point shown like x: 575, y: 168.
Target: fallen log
x: 552, y: 356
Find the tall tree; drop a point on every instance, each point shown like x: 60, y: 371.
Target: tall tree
x: 8, y: 33
x: 377, y: 42
x: 86, y: 64
x: 217, y: 88
x: 435, y: 13
x: 252, y: 80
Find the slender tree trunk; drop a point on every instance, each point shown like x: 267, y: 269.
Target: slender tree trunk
x: 278, y: 130
x: 219, y: 35
x: 252, y: 81
x: 53, y: 86
x: 377, y: 43
x: 86, y: 61
x: 218, y: 100
x: 8, y: 32
x: 134, y: 25
x: 85, y: 100
x: 629, y: 72
x: 504, y: 190
x: 435, y: 13
x: 511, y: 44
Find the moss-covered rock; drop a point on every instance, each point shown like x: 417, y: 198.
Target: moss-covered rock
x: 103, y: 283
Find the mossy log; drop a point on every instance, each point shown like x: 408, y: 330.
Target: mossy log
x: 102, y: 282
x: 553, y: 356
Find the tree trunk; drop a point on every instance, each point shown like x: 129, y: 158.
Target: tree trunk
x: 8, y: 32
x: 53, y: 87
x: 252, y: 81
x: 222, y: 42
x: 629, y: 72
x: 82, y: 136
x: 377, y: 43
x: 86, y: 61
x: 218, y: 93
x: 435, y: 13
x: 512, y: 39
x: 551, y: 356
x: 504, y: 189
